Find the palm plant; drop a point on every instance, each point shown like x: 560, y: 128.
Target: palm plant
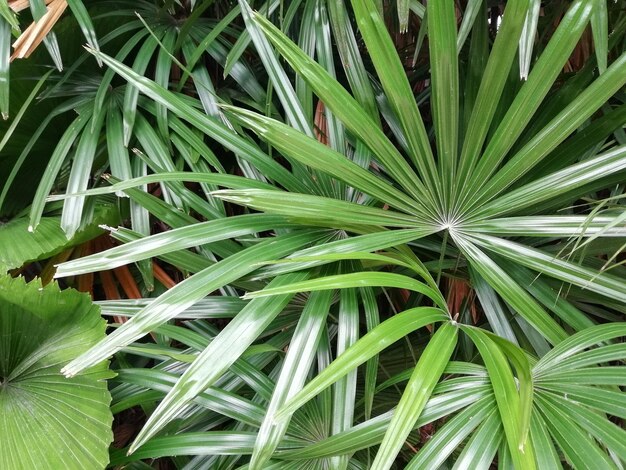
x: 478, y: 224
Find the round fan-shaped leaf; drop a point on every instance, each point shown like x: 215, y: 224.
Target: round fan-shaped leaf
x: 47, y: 420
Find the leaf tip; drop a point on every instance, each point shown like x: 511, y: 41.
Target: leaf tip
x: 68, y: 371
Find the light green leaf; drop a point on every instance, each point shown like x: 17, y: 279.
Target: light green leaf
x: 49, y: 421
x: 604, y: 284
x: 510, y: 403
x: 385, y: 334
x: 424, y: 378
x: 357, y: 279
x: 317, y: 210
x: 316, y: 155
x: 544, y: 73
x: 600, y: 31
x: 222, y: 352
x: 186, y: 293
x: 292, y: 376
x: 511, y: 292
x: 20, y: 246
x: 348, y: 110
x: 166, y: 242
x: 444, y: 73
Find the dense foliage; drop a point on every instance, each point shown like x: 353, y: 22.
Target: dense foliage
x: 329, y: 235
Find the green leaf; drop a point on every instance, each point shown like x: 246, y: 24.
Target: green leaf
x: 9, y: 16
x: 355, y: 247
x: 11, y: 129
x: 545, y: 452
x: 316, y: 155
x: 210, y: 307
x: 344, y: 390
x: 481, y: 448
x: 469, y: 16
x: 403, y: 15
x: 292, y: 376
x: 119, y: 159
x: 217, y: 130
x: 348, y: 110
x: 358, y: 279
x: 277, y: 76
x: 444, y: 90
x: 510, y: 403
x: 219, y: 179
x: 131, y: 94
x: 604, y: 284
x: 600, y: 31
x: 540, y: 146
x: 527, y: 39
x: 492, y: 85
x: 178, y: 239
x: 549, y: 297
x: 606, y: 432
x: 453, y: 433
x: 613, y: 375
x: 492, y: 307
x: 49, y: 421
x: 519, y: 359
x: 244, y: 39
x: 532, y: 93
x: 193, y: 443
x: 385, y: 334
x: 511, y: 292
x: 188, y: 292
x: 371, y: 432
x: 84, y: 21
x: 21, y: 246
x: 425, y: 376
x: 548, y: 226
x: 5, y: 55
x: 216, y: 399
x: 397, y: 88
x: 350, y: 55
x: 576, y: 444
x: 577, y: 343
x: 557, y: 183
x: 372, y: 320
x: 54, y: 166
x: 80, y: 174
x: 222, y: 352
x: 317, y: 210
